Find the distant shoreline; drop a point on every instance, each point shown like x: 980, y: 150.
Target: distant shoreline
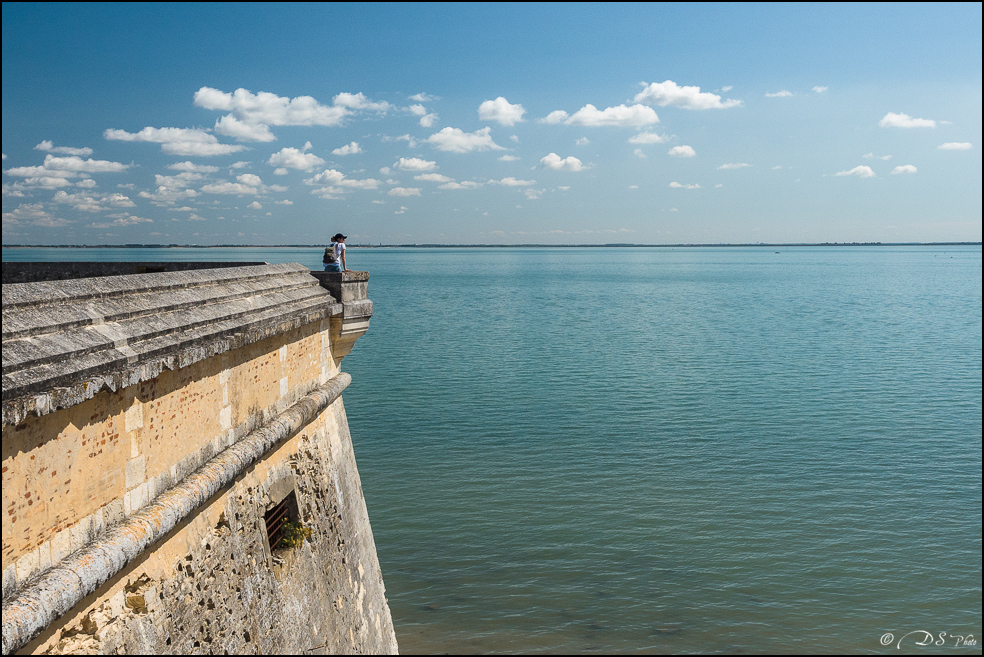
x: 473, y: 246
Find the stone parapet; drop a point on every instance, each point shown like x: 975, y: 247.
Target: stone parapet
x: 64, y: 341
x: 351, y: 288
x: 33, y: 272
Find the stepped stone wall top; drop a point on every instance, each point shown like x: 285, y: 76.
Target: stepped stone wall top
x: 65, y: 340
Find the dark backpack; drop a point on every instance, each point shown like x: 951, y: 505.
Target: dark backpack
x: 330, y: 257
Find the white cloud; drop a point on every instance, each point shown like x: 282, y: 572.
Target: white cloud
x: 124, y: 219
x: 513, y: 182
x: 328, y: 176
x: 359, y: 102
x: 411, y: 142
x: 893, y: 120
x: 508, y: 158
x: 255, y: 205
x: 167, y: 194
x: 192, y: 167
x: 349, y: 149
x: 415, y: 164
x: 79, y: 201
x: 583, y: 141
x: 727, y: 88
x: 404, y: 191
x: 34, y: 214
x: 779, y: 94
x: 433, y: 177
x: 670, y: 93
x: 76, y: 164
x: 286, y: 201
x: 639, y: 153
x: 514, y: 138
x: 85, y: 203
x: 859, y: 171
x: 555, y: 162
x: 682, y: 151
x: 230, y: 126
x: 55, y: 172
x: 556, y: 116
x: 872, y: 156
x: 428, y: 120
x: 734, y: 165
x: 501, y: 110
x: 456, y: 140
x: 280, y: 171
x: 367, y: 183
x: 292, y: 158
x: 466, y: 184
x: 955, y: 146
x: 269, y: 109
x: 250, y: 179
x: 647, y: 138
x: 620, y: 116
x: 534, y: 194
x: 677, y: 185
x: 226, y: 187
x: 402, y: 209
x: 904, y: 168
x: 239, y: 165
x: 820, y: 89
x: 86, y: 183
x: 46, y: 145
x: 189, y: 142
x: 424, y: 98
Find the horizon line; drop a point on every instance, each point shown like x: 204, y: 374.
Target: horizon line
x: 477, y: 245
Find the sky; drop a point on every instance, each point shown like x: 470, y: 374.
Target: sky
x: 491, y: 124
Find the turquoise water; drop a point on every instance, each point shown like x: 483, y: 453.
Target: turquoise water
x: 667, y: 450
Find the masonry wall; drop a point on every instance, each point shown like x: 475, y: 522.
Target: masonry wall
x: 213, y: 586
x: 67, y: 475
x: 72, y: 477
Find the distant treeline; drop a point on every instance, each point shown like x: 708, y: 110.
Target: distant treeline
x: 467, y: 246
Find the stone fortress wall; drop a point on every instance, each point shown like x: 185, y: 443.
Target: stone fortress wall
x: 152, y: 423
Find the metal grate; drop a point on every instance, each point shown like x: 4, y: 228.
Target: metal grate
x: 276, y: 518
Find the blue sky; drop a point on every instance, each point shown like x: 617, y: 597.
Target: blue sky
x: 559, y: 124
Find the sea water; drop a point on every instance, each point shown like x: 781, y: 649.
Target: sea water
x: 667, y: 450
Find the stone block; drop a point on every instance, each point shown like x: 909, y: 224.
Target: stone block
x: 9, y: 580
x: 113, y: 513
x: 61, y: 545
x: 27, y: 565
x: 135, y: 472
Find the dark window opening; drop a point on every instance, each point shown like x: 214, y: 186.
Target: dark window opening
x: 277, y: 519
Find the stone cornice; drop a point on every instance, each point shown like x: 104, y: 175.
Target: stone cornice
x: 64, y: 341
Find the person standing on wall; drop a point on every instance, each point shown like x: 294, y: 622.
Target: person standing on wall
x: 334, y: 259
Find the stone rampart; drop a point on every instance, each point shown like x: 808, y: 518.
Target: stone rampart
x: 152, y: 423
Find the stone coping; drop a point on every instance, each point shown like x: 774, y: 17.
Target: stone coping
x: 64, y: 341
x: 33, y: 272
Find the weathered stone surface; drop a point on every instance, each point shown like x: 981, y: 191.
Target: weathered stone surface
x: 32, y: 272
x: 223, y: 594
x: 135, y: 497
x: 65, y: 341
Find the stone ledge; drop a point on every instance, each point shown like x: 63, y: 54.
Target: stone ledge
x: 175, y: 319
x: 33, y: 272
x: 345, y: 286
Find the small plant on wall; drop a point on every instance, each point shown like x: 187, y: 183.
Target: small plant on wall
x: 294, y: 534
